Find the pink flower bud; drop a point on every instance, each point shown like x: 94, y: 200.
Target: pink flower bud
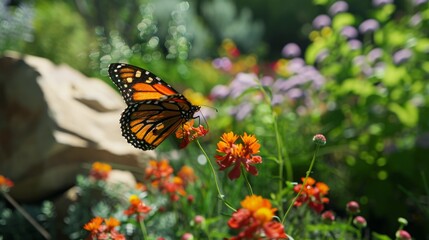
x: 353, y: 207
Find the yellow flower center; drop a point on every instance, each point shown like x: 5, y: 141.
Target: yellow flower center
x: 264, y: 215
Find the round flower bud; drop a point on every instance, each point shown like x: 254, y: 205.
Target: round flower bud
x: 353, y: 207
x: 359, y: 222
x: 187, y: 236
x: 319, y: 139
x: 328, y: 217
x: 199, y: 219
x: 402, y: 235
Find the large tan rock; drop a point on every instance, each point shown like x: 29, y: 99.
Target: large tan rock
x: 52, y: 120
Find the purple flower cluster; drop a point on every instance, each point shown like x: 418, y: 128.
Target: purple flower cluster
x: 291, y: 50
x: 402, y: 56
x: 296, y: 86
x: 321, y: 21
x: 380, y: 3
x: 368, y: 26
x: 419, y: 2
x: 299, y: 85
x: 338, y: 7
x: 355, y: 44
x: 238, y: 85
x: 223, y: 63
x: 349, y: 32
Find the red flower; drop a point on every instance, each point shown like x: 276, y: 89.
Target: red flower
x: 158, y: 172
x: 240, y: 218
x: 137, y: 207
x: 238, y: 154
x: 313, y: 194
x: 174, y: 187
x: 188, y: 133
x: 274, y: 230
x: 100, y: 171
x: 255, y: 220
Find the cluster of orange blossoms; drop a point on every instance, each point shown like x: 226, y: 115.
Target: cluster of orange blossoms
x: 188, y: 133
x: 137, y: 207
x: 238, y: 154
x: 313, y: 194
x: 100, y: 171
x: 5, y: 184
x: 100, y: 228
x: 255, y: 220
x: 160, y: 174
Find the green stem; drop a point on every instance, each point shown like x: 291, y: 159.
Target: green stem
x: 282, y: 162
x: 143, y: 229
x: 303, y: 184
x: 27, y: 216
x: 249, y: 186
x: 220, y: 195
x: 349, y: 223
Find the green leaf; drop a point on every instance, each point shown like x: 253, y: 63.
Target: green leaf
x: 425, y: 66
x: 379, y: 37
x: 321, y: 2
x: 407, y: 114
x: 396, y: 38
x: 313, y: 51
x: 393, y: 75
x: 377, y: 236
x: 343, y: 19
x: 422, y: 45
x: 385, y: 12
x: 357, y: 86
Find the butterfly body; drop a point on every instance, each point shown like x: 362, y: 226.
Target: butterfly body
x: 155, y: 110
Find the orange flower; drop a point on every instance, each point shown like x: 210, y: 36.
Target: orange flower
x: 188, y: 133
x: 103, y: 231
x: 238, y: 154
x: 187, y: 174
x: 140, y: 186
x: 174, y: 187
x: 100, y: 171
x: 254, y: 202
x: 94, y: 224
x: 158, y: 171
x: 313, y: 194
x: 259, y: 207
x: 255, y: 220
x: 112, y: 222
x: 5, y: 184
x: 137, y: 207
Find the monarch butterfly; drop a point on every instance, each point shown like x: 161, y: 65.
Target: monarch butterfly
x: 155, y: 110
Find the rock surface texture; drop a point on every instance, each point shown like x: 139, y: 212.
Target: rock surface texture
x: 54, y: 122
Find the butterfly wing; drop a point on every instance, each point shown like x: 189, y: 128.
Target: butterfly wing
x: 148, y: 123
x: 137, y: 84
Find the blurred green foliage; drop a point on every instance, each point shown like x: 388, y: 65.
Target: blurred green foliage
x: 60, y: 34
x: 15, y: 26
x: 376, y: 110
x: 14, y: 226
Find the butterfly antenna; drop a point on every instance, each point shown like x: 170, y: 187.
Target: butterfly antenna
x: 202, y: 115
x: 210, y: 107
